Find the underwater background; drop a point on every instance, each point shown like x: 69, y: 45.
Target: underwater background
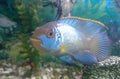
x: 20, y: 60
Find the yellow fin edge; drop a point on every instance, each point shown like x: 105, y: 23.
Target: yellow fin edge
x: 85, y: 19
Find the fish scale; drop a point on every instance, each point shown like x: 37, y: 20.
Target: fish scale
x: 80, y: 39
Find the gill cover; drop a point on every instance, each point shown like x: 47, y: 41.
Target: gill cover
x: 51, y: 44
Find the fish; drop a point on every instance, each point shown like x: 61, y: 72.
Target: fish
x: 6, y: 22
x: 73, y: 39
x: 64, y: 7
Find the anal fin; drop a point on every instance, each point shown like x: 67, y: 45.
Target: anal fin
x: 85, y: 57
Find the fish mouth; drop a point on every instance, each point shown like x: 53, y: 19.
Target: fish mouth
x: 35, y: 41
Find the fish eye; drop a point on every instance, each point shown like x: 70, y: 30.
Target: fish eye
x: 50, y: 34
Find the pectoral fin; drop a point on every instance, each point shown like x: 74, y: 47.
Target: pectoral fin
x: 67, y: 59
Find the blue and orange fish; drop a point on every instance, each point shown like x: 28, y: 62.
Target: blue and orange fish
x: 73, y: 38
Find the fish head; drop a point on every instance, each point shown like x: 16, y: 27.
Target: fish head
x: 47, y: 38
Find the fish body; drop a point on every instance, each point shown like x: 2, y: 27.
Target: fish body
x: 73, y: 38
x: 6, y: 22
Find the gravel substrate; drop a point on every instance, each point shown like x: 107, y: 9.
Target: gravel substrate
x: 108, y: 69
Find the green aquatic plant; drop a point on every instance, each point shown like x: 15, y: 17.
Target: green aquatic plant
x: 116, y: 49
x: 91, y: 9
x: 3, y: 55
x: 16, y: 43
x: 7, y: 26
x: 35, y: 19
x: 23, y: 16
x: 28, y: 14
x: 30, y: 19
x: 7, y: 8
x: 112, y: 15
x: 48, y: 13
x: 24, y: 52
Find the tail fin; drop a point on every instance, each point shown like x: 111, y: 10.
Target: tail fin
x: 100, y: 46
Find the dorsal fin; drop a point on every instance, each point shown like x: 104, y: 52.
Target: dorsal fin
x: 85, y: 19
x: 86, y: 26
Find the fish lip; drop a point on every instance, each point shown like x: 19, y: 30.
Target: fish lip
x: 35, y: 40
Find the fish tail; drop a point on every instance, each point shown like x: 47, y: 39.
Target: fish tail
x: 100, y: 46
